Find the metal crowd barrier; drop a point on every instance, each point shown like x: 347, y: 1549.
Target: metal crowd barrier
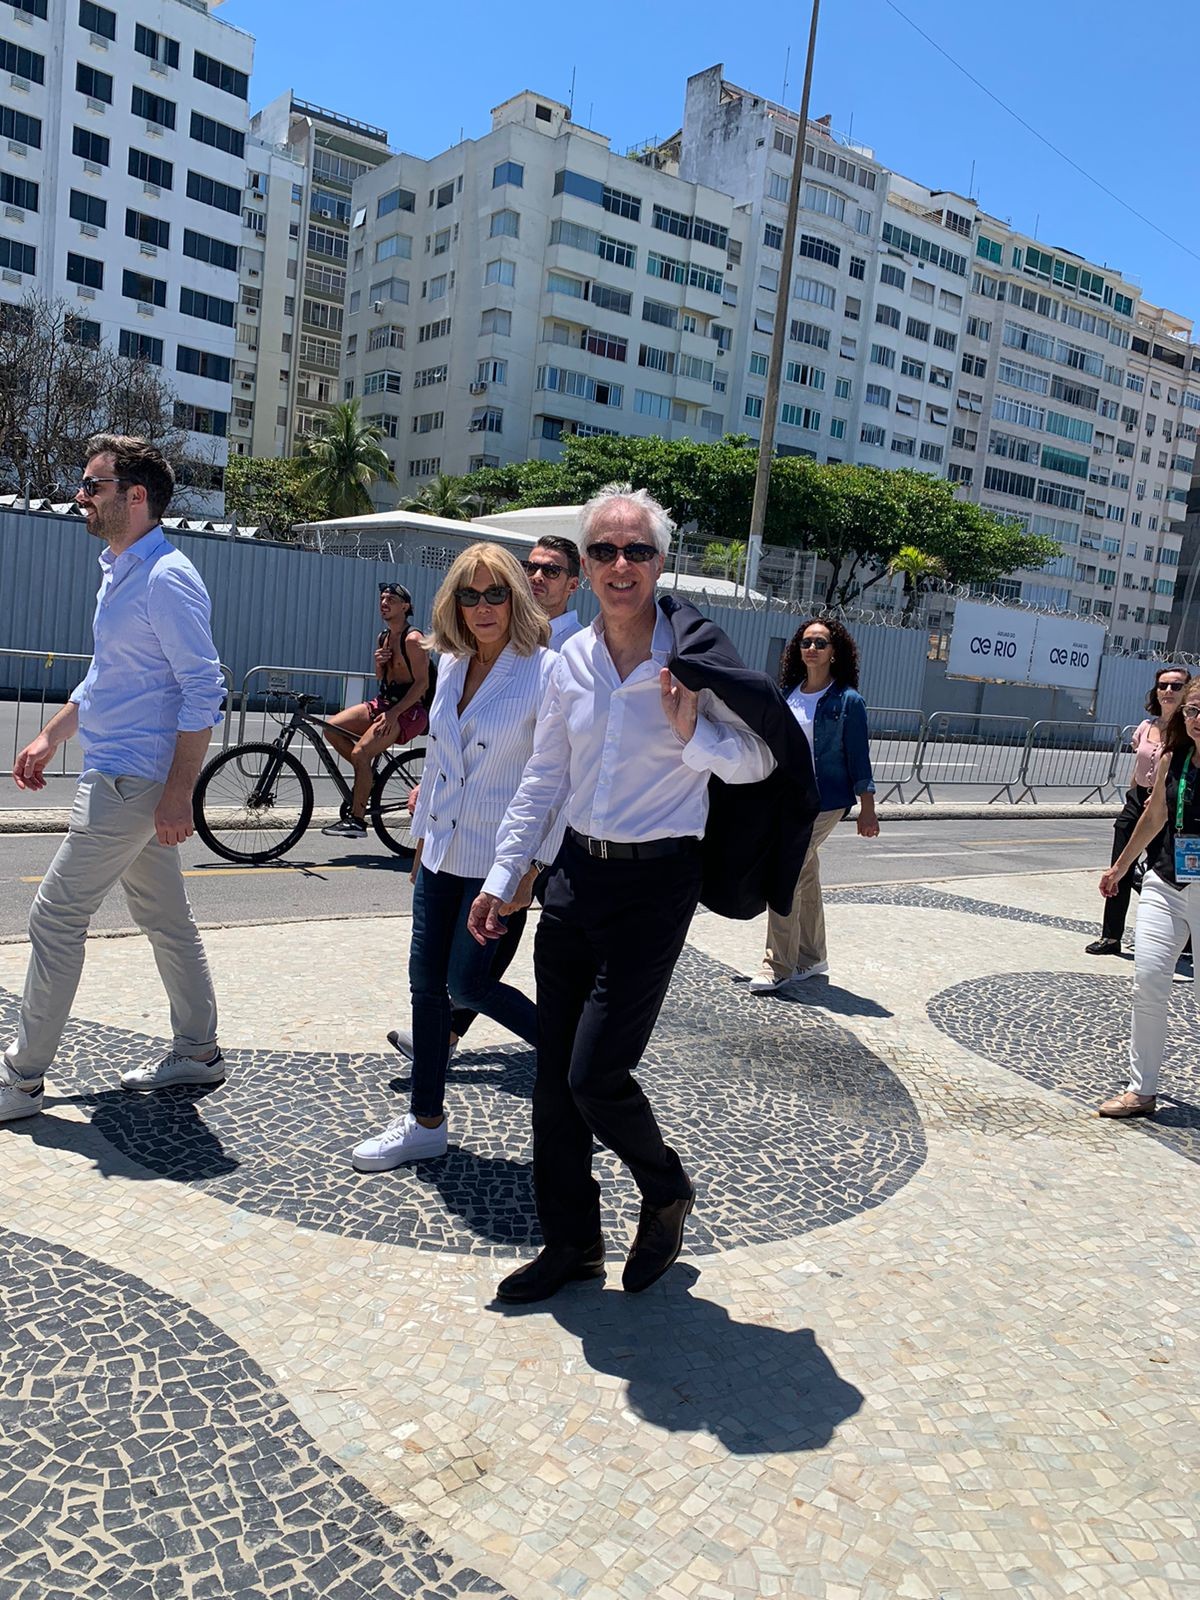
x: 1122, y: 768
x: 962, y: 747
x: 263, y: 704
x: 897, y: 735
x: 1070, y: 755
x: 44, y: 680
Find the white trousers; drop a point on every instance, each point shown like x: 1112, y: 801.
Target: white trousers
x: 1165, y: 917
x: 111, y: 839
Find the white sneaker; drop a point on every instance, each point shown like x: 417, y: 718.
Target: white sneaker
x: 766, y: 983
x: 817, y: 970
x: 19, y: 1097
x: 401, y: 1141
x: 402, y: 1042
x: 175, y: 1070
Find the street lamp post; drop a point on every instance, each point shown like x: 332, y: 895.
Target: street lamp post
x: 766, y: 445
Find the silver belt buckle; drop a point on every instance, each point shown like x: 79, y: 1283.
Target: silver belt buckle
x: 603, y: 843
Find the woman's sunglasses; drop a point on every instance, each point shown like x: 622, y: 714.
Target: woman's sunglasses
x: 1170, y: 688
x: 494, y: 595
x: 1190, y: 713
x: 816, y: 644
x: 605, y: 554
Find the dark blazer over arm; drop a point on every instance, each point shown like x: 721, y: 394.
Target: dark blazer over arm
x: 758, y: 833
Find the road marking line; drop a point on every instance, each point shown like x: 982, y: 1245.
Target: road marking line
x: 1008, y: 844
x: 245, y: 872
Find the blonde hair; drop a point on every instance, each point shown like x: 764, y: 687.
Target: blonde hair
x: 527, y: 628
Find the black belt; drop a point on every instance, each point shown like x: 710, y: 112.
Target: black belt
x: 608, y: 850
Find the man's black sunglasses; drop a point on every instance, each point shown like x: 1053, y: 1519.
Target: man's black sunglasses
x: 495, y: 595
x: 88, y: 486
x: 604, y: 554
x: 548, y: 569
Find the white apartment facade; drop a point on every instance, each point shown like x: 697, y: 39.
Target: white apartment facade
x: 303, y: 162
x: 121, y: 174
x: 530, y: 285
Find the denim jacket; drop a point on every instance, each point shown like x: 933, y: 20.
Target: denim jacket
x: 841, y: 753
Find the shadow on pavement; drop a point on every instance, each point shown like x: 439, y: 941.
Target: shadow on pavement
x: 124, y: 1127
x: 830, y: 997
x: 690, y: 1367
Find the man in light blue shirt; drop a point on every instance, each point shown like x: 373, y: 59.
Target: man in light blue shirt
x: 144, y: 715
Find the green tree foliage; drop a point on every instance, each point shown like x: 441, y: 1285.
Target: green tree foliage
x: 345, y: 460
x: 271, y: 493
x: 856, y: 518
x: 919, y: 572
x: 444, y: 496
x: 726, y: 560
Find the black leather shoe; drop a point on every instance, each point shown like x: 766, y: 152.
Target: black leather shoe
x: 1103, y: 947
x: 657, y: 1244
x: 546, y: 1274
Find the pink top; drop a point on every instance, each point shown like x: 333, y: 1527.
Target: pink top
x: 1146, y: 752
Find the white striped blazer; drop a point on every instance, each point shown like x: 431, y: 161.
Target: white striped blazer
x: 473, y: 764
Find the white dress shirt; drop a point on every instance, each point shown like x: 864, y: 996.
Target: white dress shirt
x: 474, y: 763
x: 563, y: 628
x: 607, y: 755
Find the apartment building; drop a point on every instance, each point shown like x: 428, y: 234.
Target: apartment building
x: 304, y: 160
x: 121, y: 176
x: 530, y: 285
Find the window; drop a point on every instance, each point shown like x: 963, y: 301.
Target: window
x: 88, y: 208
x: 753, y: 406
x: 210, y: 192
x: 16, y: 257
x: 915, y: 329
x: 663, y: 315
x: 973, y: 366
x: 826, y: 201
x: 216, y: 252
x: 818, y: 250
x: 151, y: 169
x: 892, y: 275
x: 501, y: 272
x: 921, y: 290
x: 620, y: 204
x: 487, y: 419
x: 137, y: 286
x: 656, y: 359
x: 989, y: 250
x: 931, y: 452
x: 607, y: 345
x: 147, y: 230
x: 944, y: 339
x: 445, y: 195
x: 784, y: 142
x: 156, y: 45
x: 924, y: 249
x: 203, y: 364
x: 154, y: 108
x: 978, y: 328
x: 911, y: 368
x: 949, y: 301
x: 395, y: 200
x: 505, y: 224
x: 97, y: 19
x: 433, y: 330
x: 201, y: 419
x: 24, y: 63
x: 92, y: 82
x: 223, y: 77
x: 837, y: 428
x: 999, y: 480
x: 491, y: 370
x: 218, y: 134
x: 841, y: 389
x: 772, y: 236
x: 508, y: 172
x: 778, y: 187
x: 902, y: 445
x: 31, y: 8
x: 21, y: 129
x: 208, y: 307
x: 877, y: 395
x: 648, y: 404
x: 800, y: 417
x: 871, y: 434
x: 812, y: 290
x: 496, y: 321
x: 883, y: 355
x: 887, y: 315
x: 607, y: 299
x: 563, y: 283
x: 758, y: 365
x: 581, y: 385
x: 85, y: 270
x: 808, y: 333
x: 91, y: 146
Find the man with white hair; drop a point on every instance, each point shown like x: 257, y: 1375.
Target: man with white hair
x: 629, y: 752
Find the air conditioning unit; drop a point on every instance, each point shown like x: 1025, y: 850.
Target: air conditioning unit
x: 253, y: 272
x: 89, y: 231
x: 148, y: 249
x: 19, y: 83
x: 16, y: 148
x: 84, y: 292
x: 93, y: 104
x: 246, y: 384
x: 14, y: 213
x: 152, y: 189
x: 153, y: 129
x: 94, y: 168
x: 378, y: 305
x: 98, y: 40
x: 259, y: 195
x: 478, y: 388
x: 159, y: 67
x: 10, y: 277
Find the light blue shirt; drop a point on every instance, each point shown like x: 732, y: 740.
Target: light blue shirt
x: 154, y: 672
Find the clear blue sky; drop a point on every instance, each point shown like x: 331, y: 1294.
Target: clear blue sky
x: 1110, y: 83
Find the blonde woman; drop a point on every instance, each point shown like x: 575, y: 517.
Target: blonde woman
x: 492, y: 637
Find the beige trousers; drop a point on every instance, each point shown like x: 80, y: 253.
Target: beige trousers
x: 798, y: 940
x: 111, y: 839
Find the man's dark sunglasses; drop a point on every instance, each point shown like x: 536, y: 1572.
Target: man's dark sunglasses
x: 495, y: 595
x: 605, y: 554
x: 397, y: 589
x: 88, y: 486
x: 548, y: 569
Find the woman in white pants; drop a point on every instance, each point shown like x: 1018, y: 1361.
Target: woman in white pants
x: 1169, y: 910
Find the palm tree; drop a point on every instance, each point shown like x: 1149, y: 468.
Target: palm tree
x: 727, y: 559
x: 442, y: 497
x: 345, y: 459
x: 919, y: 571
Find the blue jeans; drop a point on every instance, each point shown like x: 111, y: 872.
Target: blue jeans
x: 446, y: 966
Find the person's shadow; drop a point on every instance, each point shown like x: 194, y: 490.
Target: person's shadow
x: 691, y: 1368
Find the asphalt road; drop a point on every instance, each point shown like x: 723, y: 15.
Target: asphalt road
x: 361, y: 880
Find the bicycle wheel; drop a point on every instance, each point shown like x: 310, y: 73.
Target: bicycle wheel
x: 389, y: 800
x: 252, y: 803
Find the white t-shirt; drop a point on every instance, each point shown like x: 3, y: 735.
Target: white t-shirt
x: 804, y: 708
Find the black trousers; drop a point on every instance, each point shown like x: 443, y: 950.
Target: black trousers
x: 606, y: 946
x: 505, y: 949
x: 1117, y: 909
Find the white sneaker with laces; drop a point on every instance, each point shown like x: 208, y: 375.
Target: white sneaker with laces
x: 402, y: 1042
x: 175, y: 1070
x: 817, y: 970
x: 766, y: 983
x: 19, y: 1097
x: 402, y: 1140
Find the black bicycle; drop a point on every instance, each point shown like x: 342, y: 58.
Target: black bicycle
x: 254, y: 801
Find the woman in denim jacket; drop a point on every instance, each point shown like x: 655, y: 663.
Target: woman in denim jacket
x: 819, y: 675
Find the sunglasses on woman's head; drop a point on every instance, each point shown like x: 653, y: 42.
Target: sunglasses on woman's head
x: 604, y: 554
x: 494, y: 595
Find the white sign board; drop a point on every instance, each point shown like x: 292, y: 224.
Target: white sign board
x: 1022, y: 647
